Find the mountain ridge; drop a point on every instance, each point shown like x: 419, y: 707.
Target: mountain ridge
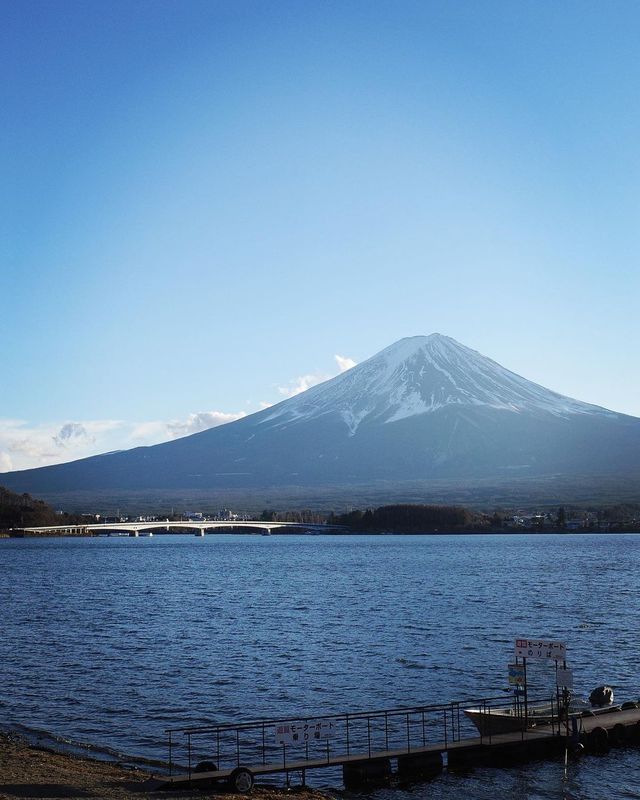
x: 424, y: 408
x: 429, y: 353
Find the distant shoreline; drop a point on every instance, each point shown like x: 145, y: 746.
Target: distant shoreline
x: 503, y: 532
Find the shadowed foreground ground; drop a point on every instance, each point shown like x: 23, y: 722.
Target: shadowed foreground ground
x: 31, y: 773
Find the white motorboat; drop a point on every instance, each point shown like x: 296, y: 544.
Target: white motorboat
x: 503, y: 719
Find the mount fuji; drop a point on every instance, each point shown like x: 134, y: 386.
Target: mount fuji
x: 426, y: 408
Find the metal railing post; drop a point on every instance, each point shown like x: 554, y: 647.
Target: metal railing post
x: 348, y: 752
x: 170, y: 756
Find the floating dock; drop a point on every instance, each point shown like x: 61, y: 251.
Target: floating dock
x: 409, y: 744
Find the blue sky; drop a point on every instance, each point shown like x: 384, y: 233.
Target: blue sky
x: 204, y: 203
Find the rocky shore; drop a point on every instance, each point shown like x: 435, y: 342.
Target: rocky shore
x: 29, y: 772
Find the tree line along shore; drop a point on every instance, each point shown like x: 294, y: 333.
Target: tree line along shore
x: 23, y: 511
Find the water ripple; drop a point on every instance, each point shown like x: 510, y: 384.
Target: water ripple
x: 110, y: 642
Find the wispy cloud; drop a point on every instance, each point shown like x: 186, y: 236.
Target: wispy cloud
x: 148, y: 432
x: 70, y: 432
x: 159, y: 431
x: 202, y: 421
x: 344, y: 363
x: 304, y: 382
x: 301, y: 384
x: 25, y: 445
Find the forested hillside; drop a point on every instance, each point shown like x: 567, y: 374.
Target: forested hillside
x: 412, y: 519
x: 22, y: 510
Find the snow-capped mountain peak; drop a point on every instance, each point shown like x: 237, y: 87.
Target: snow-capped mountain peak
x: 424, y: 409
x: 422, y: 375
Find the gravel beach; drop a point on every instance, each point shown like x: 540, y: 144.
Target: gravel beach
x: 29, y: 772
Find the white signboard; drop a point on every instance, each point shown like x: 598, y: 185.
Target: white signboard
x: 538, y: 648
x: 565, y: 678
x: 304, y: 731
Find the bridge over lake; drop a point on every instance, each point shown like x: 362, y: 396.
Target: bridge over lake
x: 200, y: 527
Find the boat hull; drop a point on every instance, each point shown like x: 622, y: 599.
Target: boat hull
x: 508, y: 720
x: 490, y: 722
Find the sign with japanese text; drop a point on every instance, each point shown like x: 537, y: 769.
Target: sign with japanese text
x: 305, y: 731
x: 516, y: 674
x: 538, y: 648
x: 564, y: 678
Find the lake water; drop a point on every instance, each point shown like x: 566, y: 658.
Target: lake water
x: 109, y: 641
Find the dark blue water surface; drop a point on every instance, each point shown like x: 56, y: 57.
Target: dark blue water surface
x: 111, y: 640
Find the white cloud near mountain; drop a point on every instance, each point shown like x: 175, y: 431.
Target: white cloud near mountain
x: 201, y: 421
x: 301, y: 384
x: 159, y: 431
x: 24, y: 445
x: 304, y: 382
x: 344, y: 363
x: 70, y: 431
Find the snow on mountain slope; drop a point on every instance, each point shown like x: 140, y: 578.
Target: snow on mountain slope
x: 420, y: 375
x: 424, y: 408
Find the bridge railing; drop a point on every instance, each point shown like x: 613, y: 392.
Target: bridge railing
x: 278, y: 743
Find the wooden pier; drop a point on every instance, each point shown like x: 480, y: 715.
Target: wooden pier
x: 408, y: 744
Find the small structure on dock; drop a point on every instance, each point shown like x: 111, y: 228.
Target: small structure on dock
x: 409, y: 743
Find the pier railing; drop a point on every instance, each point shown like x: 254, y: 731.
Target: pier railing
x: 281, y: 743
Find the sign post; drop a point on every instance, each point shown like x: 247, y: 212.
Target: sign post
x: 539, y: 649
x: 564, y: 677
x: 517, y: 679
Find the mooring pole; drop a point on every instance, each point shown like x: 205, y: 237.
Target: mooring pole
x: 565, y: 698
x: 558, y: 702
x: 526, y: 694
